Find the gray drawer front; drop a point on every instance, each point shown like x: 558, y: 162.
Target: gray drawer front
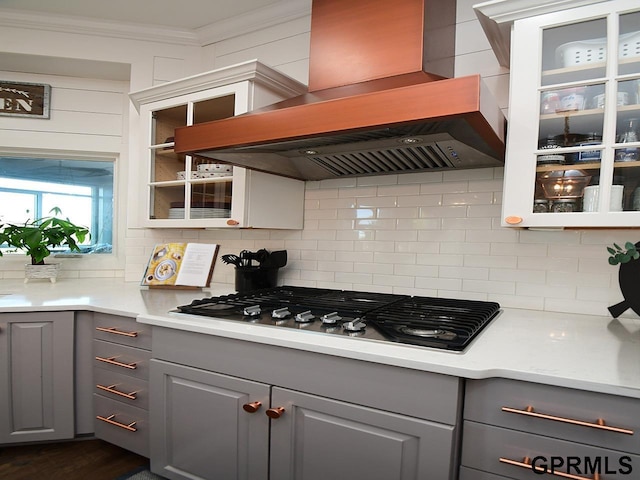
x: 125, y: 385
x: 484, y: 445
x: 135, y: 441
x: 484, y: 400
x: 472, y: 474
x: 114, y: 328
x: 130, y: 361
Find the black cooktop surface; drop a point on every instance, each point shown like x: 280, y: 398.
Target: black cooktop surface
x: 442, y: 323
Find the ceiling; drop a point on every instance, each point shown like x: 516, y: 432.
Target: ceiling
x: 185, y: 14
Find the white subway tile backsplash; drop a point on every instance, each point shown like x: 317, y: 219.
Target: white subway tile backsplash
x: 360, y: 235
x: 418, y: 224
x: 357, y: 278
x: 381, y: 268
x: 373, y: 202
x: 395, y: 258
x: 397, y: 235
x: 518, y: 275
x: 398, y: 190
x: 416, y: 270
x: 468, y: 198
x: 550, y: 264
x: 393, y: 280
x: 467, y: 223
x: 377, y: 180
x: 444, y: 188
x: 474, y: 273
x: 439, y: 259
x: 374, y: 246
x: 375, y: 224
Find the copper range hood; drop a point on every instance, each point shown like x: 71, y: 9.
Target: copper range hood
x: 380, y: 101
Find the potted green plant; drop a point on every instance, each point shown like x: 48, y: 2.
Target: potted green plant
x: 628, y: 276
x: 37, y: 237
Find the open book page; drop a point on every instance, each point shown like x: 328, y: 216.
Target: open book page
x: 197, y: 264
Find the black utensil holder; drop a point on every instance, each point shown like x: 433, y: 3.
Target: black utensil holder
x: 255, y: 278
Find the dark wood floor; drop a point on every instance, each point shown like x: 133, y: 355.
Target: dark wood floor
x: 76, y: 460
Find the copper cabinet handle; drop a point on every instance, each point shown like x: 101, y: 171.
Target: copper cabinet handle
x: 110, y: 420
x: 526, y: 463
x: 252, y: 407
x: 513, y: 220
x: 112, y: 389
x: 115, y: 331
x: 275, y: 412
x: 599, y: 424
x: 111, y: 361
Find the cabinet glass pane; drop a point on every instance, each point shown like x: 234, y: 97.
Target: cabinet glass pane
x: 164, y: 122
x: 166, y: 165
x: 211, y: 189
x: 214, y: 109
x: 626, y: 195
x: 166, y: 201
x: 211, y: 199
x: 629, y: 44
x: 574, y: 53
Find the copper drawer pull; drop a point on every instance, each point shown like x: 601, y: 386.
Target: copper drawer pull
x: 526, y: 463
x: 112, y: 389
x: 110, y: 419
x: 600, y: 425
x: 115, y: 331
x: 111, y: 361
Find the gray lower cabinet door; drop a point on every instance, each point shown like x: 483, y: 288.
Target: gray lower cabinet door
x: 316, y: 438
x: 200, y: 429
x: 36, y: 376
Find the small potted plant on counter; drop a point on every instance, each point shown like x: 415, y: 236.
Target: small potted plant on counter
x: 628, y: 276
x: 37, y: 237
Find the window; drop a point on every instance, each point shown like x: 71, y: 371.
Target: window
x: 82, y: 189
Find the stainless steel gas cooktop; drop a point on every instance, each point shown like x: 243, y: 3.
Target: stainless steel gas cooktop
x: 442, y: 323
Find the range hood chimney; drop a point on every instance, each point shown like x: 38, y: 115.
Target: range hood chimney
x: 379, y: 101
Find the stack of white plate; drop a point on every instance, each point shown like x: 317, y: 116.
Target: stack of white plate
x: 204, y: 212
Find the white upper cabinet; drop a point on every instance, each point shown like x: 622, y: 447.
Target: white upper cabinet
x: 573, y: 152
x: 185, y: 191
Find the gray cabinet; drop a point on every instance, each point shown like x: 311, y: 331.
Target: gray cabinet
x: 512, y: 428
x: 224, y: 408
x: 36, y: 376
x: 317, y: 438
x: 201, y: 430
x: 121, y: 349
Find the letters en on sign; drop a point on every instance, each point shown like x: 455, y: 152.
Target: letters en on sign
x: 20, y: 99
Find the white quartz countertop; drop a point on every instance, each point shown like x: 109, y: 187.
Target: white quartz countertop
x: 593, y: 353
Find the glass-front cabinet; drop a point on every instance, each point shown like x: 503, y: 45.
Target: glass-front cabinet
x: 189, y: 191
x: 573, y: 149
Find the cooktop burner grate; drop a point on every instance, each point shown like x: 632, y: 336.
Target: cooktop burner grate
x: 346, y: 303
x: 434, y: 322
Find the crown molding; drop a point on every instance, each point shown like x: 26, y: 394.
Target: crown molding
x: 259, y: 19
x: 251, y: 70
x: 497, y: 16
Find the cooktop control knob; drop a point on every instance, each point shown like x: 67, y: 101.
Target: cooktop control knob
x: 331, y: 318
x: 305, y: 317
x: 252, y: 311
x: 281, y: 313
x: 356, y: 325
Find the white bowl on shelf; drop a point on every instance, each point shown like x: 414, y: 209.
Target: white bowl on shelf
x: 215, y: 168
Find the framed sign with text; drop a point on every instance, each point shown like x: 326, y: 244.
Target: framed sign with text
x: 20, y: 99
